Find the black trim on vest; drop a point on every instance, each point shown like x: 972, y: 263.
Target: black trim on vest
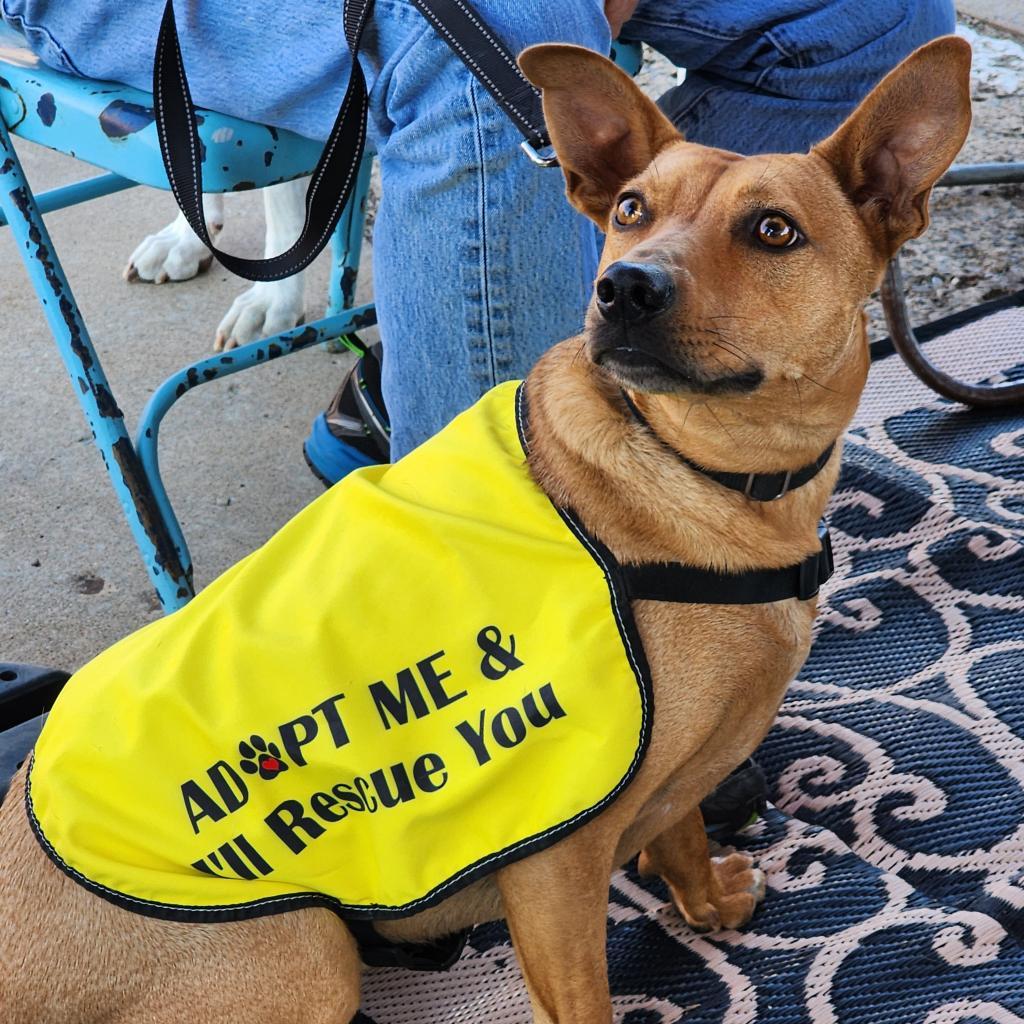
x: 756, y: 486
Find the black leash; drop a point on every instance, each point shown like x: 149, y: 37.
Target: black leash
x: 334, y: 176
x: 494, y: 66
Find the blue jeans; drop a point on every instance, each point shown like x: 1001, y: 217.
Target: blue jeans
x: 479, y: 262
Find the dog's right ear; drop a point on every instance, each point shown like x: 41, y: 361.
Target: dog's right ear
x: 603, y: 128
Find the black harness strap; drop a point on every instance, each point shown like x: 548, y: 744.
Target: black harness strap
x: 376, y: 951
x: 689, y: 584
x: 756, y: 486
x: 686, y: 584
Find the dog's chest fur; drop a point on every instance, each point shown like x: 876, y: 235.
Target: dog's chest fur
x: 719, y: 677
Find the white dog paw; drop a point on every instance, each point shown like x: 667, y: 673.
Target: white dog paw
x: 173, y: 254
x: 267, y: 308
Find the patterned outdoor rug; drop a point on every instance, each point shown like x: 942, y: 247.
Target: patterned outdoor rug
x: 895, y: 857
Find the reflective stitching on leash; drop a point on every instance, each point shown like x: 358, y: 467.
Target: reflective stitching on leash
x: 197, y: 205
x: 479, y: 71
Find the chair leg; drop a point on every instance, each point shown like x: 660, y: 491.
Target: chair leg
x: 897, y: 316
x: 346, y: 246
x: 171, y: 579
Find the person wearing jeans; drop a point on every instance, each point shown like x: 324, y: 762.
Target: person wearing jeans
x: 479, y: 262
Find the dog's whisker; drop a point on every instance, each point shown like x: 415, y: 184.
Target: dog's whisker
x: 820, y: 385
x: 747, y: 363
x: 721, y: 362
x: 724, y: 346
x: 579, y: 351
x: 689, y: 409
x: 718, y: 420
x: 761, y: 179
x: 731, y: 341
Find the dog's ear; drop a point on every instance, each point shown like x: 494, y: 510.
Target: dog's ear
x: 900, y: 140
x: 603, y: 128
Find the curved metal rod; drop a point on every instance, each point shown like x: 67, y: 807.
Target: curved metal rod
x: 215, y: 367
x: 906, y: 344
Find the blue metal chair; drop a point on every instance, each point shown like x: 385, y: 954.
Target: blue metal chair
x: 112, y: 127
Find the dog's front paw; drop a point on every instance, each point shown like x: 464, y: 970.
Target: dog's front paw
x: 173, y: 254
x: 267, y: 308
x: 736, y: 888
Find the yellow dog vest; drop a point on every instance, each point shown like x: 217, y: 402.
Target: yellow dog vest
x: 429, y: 672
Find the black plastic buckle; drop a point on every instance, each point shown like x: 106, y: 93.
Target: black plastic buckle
x: 817, y: 569
x: 27, y: 692
x: 751, y: 490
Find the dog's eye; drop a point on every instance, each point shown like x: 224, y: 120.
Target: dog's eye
x: 629, y: 211
x: 775, y: 231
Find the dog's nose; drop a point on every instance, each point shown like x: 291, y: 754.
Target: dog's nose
x: 634, y: 292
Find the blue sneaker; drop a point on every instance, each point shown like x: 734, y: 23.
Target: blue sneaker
x: 353, y: 431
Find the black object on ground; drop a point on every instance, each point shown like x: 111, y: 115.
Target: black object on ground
x: 27, y: 692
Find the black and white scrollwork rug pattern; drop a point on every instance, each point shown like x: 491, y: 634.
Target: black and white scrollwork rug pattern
x: 895, y: 849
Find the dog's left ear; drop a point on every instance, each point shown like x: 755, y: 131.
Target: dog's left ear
x: 893, y: 148
x: 604, y: 129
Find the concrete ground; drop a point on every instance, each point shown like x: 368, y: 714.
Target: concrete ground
x: 71, y: 581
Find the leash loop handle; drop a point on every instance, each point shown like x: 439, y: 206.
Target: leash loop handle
x: 182, y: 152
x: 457, y: 23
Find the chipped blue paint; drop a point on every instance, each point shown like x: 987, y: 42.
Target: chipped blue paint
x: 105, y: 419
x: 629, y: 56
x: 256, y: 353
x: 347, y: 243
x: 112, y: 126
x: 121, y: 118
x: 46, y: 108
x: 78, y: 192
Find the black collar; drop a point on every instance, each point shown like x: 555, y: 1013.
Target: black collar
x: 688, y: 584
x: 756, y: 486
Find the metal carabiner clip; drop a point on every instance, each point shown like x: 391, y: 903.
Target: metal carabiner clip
x: 535, y: 157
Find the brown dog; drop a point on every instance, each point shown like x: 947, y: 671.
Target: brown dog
x: 737, y: 330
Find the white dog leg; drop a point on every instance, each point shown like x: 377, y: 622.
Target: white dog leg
x: 176, y: 253
x: 270, y: 307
